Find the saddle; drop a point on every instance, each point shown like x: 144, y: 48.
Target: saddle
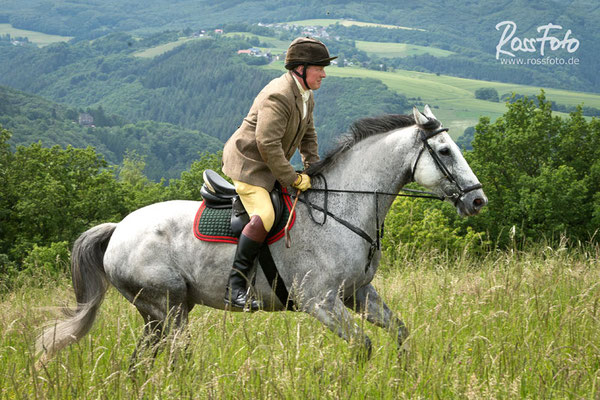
x: 220, y: 197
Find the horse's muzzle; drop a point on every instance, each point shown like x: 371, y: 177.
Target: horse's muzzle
x: 471, y: 203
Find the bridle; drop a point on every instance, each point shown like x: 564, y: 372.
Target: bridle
x: 375, y: 244
x: 460, y: 191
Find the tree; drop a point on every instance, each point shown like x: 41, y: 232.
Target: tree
x: 189, y: 185
x: 489, y: 94
x: 541, y: 173
x: 53, y: 195
x: 141, y: 191
x: 7, y: 197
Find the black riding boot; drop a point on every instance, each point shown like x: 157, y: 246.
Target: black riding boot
x: 251, y: 240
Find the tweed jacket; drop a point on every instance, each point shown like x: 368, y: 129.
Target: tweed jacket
x: 260, y: 150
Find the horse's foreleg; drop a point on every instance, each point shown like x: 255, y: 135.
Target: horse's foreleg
x: 333, y: 314
x: 367, y: 301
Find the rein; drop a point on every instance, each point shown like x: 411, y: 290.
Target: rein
x: 375, y: 244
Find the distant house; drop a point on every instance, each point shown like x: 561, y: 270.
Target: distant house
x: 86, y: 119
x: 253, y: 51
x: 219, y: 31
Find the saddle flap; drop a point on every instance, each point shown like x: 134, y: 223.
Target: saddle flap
x: 239, y: 217
x: 278, y: 203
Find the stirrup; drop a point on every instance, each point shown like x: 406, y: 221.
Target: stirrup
x: 250, y: 303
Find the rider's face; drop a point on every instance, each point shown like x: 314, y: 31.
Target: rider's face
x: 314, y: 74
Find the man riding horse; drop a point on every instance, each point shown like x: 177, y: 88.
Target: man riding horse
x: 258, y: 154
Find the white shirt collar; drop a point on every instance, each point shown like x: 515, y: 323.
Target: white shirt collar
x: 305, y: 95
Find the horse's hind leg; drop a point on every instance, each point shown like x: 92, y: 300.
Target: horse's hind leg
x: 163, y: 305
x: 367, y: 301
x: 332, y: 312
x: 160, y: 317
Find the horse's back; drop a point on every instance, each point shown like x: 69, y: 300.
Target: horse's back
x: 144, y: 241
x: 155, y: 247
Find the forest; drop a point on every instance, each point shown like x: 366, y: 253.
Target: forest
x: 197, y: 93
x: 168, y: 149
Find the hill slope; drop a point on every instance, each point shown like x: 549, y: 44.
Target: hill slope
x: 463, y: 26
x: 168, y: 149
x: 202, y: 85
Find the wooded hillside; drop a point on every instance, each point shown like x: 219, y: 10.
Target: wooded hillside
x: 201, y: 86
x: 463, y: 26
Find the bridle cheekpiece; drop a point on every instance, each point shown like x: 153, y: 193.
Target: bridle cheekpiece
x: 460, y: 191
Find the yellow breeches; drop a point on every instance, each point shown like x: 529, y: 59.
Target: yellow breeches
x: 256, y: 201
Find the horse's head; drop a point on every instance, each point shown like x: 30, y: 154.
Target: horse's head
x: 441, y: 167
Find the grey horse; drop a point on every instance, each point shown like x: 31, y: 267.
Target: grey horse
x: 154, y: 260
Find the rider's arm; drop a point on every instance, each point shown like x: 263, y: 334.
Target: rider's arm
x: 309, y: 149
x: 271, y: 126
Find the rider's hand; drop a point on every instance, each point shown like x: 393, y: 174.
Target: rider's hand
x: 302, y: 182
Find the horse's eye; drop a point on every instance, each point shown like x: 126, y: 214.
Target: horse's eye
x: 445, y: 151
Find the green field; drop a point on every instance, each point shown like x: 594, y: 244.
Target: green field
x: 515, y: 325
x: 41, y: 39
x: 453, y: 99
x: 393, y: 50
x: 163, y: 48
x: 275, y: 46
x: 345, y: 22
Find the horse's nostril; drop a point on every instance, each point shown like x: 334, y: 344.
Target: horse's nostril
x: 478, y: 202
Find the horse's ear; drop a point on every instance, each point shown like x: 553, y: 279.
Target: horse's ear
x: 420, y: 119
x: 428, y: 113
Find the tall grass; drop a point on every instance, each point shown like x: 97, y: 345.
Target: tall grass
x: 513, y: 325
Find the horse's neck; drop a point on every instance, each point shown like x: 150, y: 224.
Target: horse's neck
x: 381, y: 163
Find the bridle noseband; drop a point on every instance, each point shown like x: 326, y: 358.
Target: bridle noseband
x: 425, y: 136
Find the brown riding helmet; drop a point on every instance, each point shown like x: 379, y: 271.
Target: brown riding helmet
x: 307, y: 51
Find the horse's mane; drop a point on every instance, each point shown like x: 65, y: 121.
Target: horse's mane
x: 362, y: 129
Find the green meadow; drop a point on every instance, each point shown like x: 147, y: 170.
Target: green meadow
x: 393, y: 50
x: 452, y: 98
x: 39, y: 38
x: 345, y: 22
x: 162, y: 48
x: 511, y: 325
x: 275, y: 46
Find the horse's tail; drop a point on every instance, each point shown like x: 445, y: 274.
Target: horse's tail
x: 90, y: 285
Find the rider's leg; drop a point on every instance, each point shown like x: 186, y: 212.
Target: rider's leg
x: 257, y: 202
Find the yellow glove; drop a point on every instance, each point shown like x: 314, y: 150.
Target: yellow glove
x: 302, y: 182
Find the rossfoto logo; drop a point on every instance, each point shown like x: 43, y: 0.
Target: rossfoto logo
x: 550, y: 40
